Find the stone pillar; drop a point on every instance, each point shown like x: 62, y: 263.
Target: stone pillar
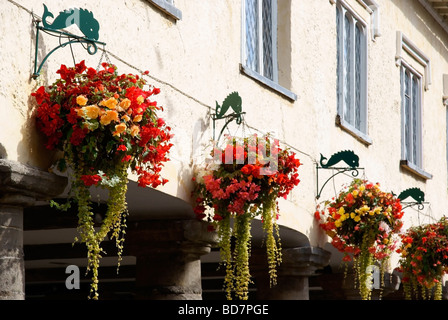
x: 20, y: 186
x: 298, y: 264
x: 168, y: 257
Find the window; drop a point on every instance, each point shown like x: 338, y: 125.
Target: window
x: 260, y: 34
x: 259, y: 39
x: 411, y: 107
x: 415, y: 77
x: 352, y: 72
x: 168, y: 7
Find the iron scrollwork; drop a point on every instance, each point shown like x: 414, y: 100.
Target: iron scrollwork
x: 347, y: 156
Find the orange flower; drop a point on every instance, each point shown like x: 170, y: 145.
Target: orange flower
x: 135, y: 130
x: 110, y: 103
x: 81, y: 100
x: 125, y: 104
x: 138, y: 118
x: 91, y: 112
x: 140, y: 99
x: 119, y: 129
x: 108, y: 117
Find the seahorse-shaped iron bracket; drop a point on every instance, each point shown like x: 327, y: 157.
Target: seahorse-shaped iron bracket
x: 415, y: 193
x: 349, y: 157
x: 233, y: 101
x: 83, y: 18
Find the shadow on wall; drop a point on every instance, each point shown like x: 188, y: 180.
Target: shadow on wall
x: 3, y: 153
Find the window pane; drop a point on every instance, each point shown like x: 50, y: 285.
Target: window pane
x: 407, y: 117
x: 358, y: 75
x: 415, y: 120
x: 252, y: 60
x: 347, y: 70
x: 339, y: 54
x: 268, y: 68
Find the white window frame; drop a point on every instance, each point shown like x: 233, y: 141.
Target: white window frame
x: 415, y: 125
x: 258, y: 73
x: 168, y: 7
x: 260, y: 54
x: 361, y: 133
x: 424, y: 80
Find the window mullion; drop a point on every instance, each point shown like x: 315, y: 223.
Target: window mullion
x: 274, y: 49
x: 260, y: 37
x: 352, y: 60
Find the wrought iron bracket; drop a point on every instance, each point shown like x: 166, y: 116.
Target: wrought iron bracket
x: 416, y: 194
x: 233, y: 101
x: 349, y: 157
x: 81, y: 17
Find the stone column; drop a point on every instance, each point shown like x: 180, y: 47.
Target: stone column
x: 298, y: 264
x: 20, y: 186
x: 168, y: 257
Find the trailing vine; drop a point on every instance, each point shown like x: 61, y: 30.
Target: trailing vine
x: 362, y: 222
x: 234, y: 192
x: 104, y: 124
x: 424, y: 260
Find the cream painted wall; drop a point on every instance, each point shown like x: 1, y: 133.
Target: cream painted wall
x: 195, y: 62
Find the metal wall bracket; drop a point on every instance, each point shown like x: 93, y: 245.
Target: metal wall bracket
x: 414, y: 193
x: 233, y: 101
x: 84, y: 19
x: 349, y: 157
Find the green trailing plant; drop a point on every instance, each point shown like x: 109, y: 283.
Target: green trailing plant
x: 424, y: 260
x: 363, y: 222
x: 244, y: 182
x: 104, y: 125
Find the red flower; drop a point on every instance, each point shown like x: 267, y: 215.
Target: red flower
x: 77, y: 135
x: 122, y: 147
x: 90, y: 180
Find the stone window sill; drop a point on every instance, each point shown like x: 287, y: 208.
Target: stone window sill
x: 168, y: 8
x: 344, y: 125
x: 405, y: 164
x: 268, y: 83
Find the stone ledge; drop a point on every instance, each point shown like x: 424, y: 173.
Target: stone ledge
x: 22, y: 184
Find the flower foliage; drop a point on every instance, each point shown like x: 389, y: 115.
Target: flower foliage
x: 361, y: 223
x: 104, y: 124
x: 244, y: 181
x: 424, y: 259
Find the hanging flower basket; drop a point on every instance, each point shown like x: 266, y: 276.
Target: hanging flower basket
x: 362, y: 222
x: 424, y: 260
x: 243, y: 182
x: 103, y: 124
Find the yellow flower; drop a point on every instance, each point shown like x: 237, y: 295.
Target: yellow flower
x: 135, y: 130
x: 352, y: 215
x: 138, y: 118
x: 110, y: 103
x: 357, y: 218
x: 125, y: 104
x: 338, y: 223
x: 341, y: 211
x: 362, y: 188
x: 91, y: 112
x: 81, y: 100
x: 108, y: 117
x: 125, y: 117
x: 140, y: 99
x: 119, y: 129
x: 355, y: 193
x: 365, y: 208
